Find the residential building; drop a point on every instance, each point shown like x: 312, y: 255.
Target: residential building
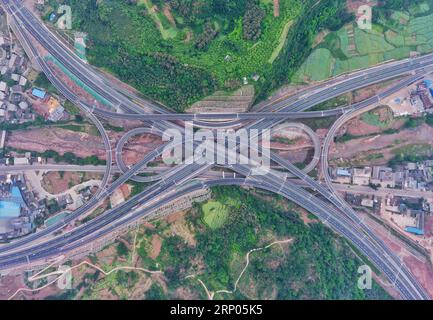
x: 361, y: 176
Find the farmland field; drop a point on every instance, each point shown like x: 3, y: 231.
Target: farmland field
x: 319, y: 65
x: 394, y: 35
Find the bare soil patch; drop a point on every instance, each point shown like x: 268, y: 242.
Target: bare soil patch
x: 57, y: 139
x: 156, y: 243
x: 357, y: 151
x: 137, y: 147
x: 56, y: 182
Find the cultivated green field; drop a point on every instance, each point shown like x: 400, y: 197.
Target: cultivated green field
x: 394, y: 36
x: 318, y: 66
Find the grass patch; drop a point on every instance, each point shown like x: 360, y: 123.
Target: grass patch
x: 281, y: 42
x: 381, y: 117
x: 336, y: 102
x: 167, y: 32
x: 420, y: 149
x: 214, y: 214
x: 317, y: 67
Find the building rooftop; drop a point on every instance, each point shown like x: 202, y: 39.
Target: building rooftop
x: 3, y: 86
x: 414, y: 230
x: 362, y: 172
x: 343, y: 172
x: 39, y: 93
x: 9, y: 209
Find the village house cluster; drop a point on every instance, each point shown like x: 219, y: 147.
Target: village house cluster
x: 14, y: 68
x: 419, y: 99
x: 23, y: 209
x: 410, y: 176
x: 21, y: 102
x: 408, y: 212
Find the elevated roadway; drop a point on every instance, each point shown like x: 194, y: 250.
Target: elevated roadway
x: 351, y: 229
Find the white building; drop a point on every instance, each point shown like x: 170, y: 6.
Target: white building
x: 15, y: 77
x: 3, y: 86
x: 23, y: 105
x: 23, y: 81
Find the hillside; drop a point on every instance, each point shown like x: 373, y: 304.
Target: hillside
x: 208, y: 245
x: 178, y: 52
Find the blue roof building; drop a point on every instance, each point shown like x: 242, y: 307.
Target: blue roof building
x: 414, y: 230
x: 11, y: 208
x: 428, y: 83
x: 39, y: 93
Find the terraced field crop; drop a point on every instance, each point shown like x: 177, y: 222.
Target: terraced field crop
x: 351, y: 48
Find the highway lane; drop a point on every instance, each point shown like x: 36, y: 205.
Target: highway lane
x: 73, y: 98
x: 74, y: 65
x: 377, y: 74
x: 108, y: 154
x: 336, y: 196
x: 102, y: 224
x: 104, y: 192
x: 151, y: 194
x: 87, y: 207
x: 324, y: 168
x: 153, y: 106
x: 71, y: 62
x: 389, y: 263
x: 330, y: 216
x: 347, y: 84
x: 119, y: 151
x: 319, y: 208
x: 86, y: 73
x: 354, y: 220
x: 93, y: 202
x: 302, y: 105
x: 346, y: 209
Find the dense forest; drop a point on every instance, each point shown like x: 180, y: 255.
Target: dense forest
x: 186, y: 52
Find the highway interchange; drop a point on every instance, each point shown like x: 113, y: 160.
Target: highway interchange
x: 183, y: 179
